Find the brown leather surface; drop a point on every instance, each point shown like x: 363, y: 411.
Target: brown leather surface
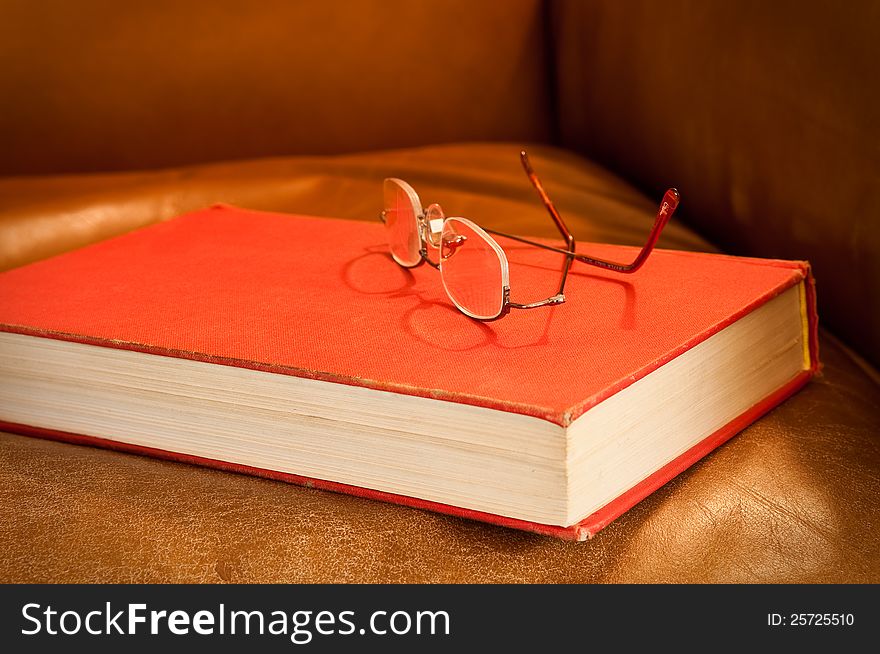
x: 794, y: 498
x: 105, y: 85
x: 764, y: 113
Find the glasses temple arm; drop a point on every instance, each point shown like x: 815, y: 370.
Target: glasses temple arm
x: 664, y: 213
x: 548, y: 203
x: 667, y: 207
x: 557, y: 220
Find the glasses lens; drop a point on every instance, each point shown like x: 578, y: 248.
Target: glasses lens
x: 402, y: 207
x: 473, y: 271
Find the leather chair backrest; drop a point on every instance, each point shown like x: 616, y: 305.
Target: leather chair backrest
x: 109, y: 85
x: 765, y: 114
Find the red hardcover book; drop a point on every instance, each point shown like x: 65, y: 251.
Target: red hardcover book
x: 295, y: 348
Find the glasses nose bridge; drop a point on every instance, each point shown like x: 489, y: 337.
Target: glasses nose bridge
x: 433, y: 218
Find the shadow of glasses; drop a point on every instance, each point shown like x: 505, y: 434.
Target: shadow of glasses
x: 432, y: 319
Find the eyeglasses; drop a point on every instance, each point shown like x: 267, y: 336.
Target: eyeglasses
x: 473, y: 267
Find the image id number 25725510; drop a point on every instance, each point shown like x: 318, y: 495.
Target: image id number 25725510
x: 810, y: 620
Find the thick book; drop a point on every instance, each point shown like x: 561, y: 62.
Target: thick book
x: 295, y: 348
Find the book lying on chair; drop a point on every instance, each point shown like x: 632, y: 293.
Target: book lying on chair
x: 294, y: 348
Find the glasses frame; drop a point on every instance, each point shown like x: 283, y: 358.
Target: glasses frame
x: 427, y: 219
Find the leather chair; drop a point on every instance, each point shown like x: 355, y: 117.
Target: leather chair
x: 763, y: 114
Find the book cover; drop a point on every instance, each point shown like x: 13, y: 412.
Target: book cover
x: 322, y: 299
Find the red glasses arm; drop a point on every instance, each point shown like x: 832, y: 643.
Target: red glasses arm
x: 664, y: 213
x: 548, y: 203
